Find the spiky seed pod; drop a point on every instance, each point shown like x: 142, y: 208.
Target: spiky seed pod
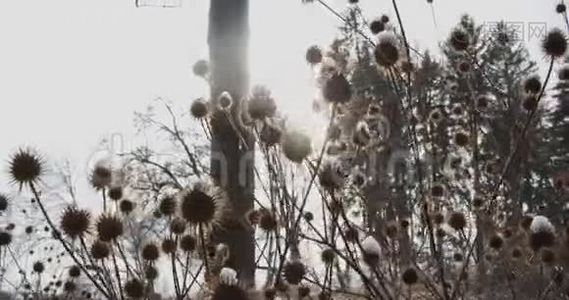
x: 69, y: 286
x: 314, y: 55
x: 198, y: 207
x: 437, y: 190
x: 330, y: 176
x: 477, y: 202
x: 261, y: 104
x: 38, y: 267
x: 169, y: 246
x: 101, y: 176
x: 109, y: 228
x: 178, y: 226
x: 151, y: 273
x: 461, y: 139
x: 532, y: 85
x: 150, y: 252
x: 387, y: 50
x: 75, y: 222
x: 303, y: 292
x: 201, y: 68
x: 482, y: 102
x: 464, y: 67
x: 134, y: 288
x: 270, y: 135
x: 436, y: 116
x: 168, y: 206
x: 458, y: 257
x: 410, y: 276
x: 555, y: 43
x: 296, y: 146
x: 563, y: 73
x: 438, y: 218
x: 100, y: 250
x: 188, y: 243
x: 224, y: 101
x: 229, y: 292
x: 3, y: 202
x: 74, y: 271
x: 547, y: 256
x: 459, y: 39
x: 268, y: 221
x: 126, y: 206
x: 457, y: 221
x: 560, y: 8
x: 294, y: 272
x: 376, y: 26
x: 199, y: 108
x: 496, y: 242
x: 529, y: 103
x: 337, y: 89
x: 26, y: 167
x: 328, y: 256
x: 542, y: 233
x: 115, y: 193
x: 371, y: 251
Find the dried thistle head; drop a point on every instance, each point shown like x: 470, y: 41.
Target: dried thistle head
x: 337, y: 89
x: 126, y: 206
x: 101, y: 175
x: 555, y: 43
x: 109, y: 227
x: 459, y: 39
x: 150, y: 252
x: 296, y: 146
x: 294, y: 272
x: 457, y: 220
x: 26, y: 167
x: 387, y: 50
x: 100, y: 250
x: 178, y: 226
x: 204, y: 204
x: 134, y: 288
x: 188, y: 243
x: 168, y: 206
x: 169, y: 246
x: 75, y: 222
x: 199, y: 108
x: 314, y: 55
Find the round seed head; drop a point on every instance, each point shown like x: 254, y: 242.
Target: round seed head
x: 26, y: 167
x: 314, y: 55
x: 75, y: 222
x: 337, y: 89
x: 178, y: 226
x: 126, y: 206
x: 150, y: 252
x: 100, y: 250
x: 555, y: 43
x: 169, y: 246
x: 199, y: 108
x: 296, y: 146
x: 457, y: 221
x: 115, y: 193
x: 109, y: 228
x: 201, y: 68
x: 188, y: 243
x: 74, y: 271
x: 459, y: 40
x: 134, y: 288
x: 532, y: 85
x: 294, y: 272
x: 387, y: 50
x: 168, y: 206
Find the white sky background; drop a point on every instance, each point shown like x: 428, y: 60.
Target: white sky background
x: 73, y: 71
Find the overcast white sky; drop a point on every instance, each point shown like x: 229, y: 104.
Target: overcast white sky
x: 74, y: 71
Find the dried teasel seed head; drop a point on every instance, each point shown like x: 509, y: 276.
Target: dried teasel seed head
x: 100, y: 250
x: 555, y: 43
x: 410, y: 276
x: 134, y: 288
x: 109, y: 228
x: 294, y: 272
x: 459, y: 39
x: 126, y: 206
x: 167, y: 206
x: 169, y: 246
x: 150, y: 252
x: 115, y: 192
x: 376, y: 26
x: 387, y: 50
x: 151, y: 273
x: 178, y: 226
x: 314, y: 55
x: 75, y: 222
x: 296, y: 146
x: 532, y: 85
x: 199, y: 108
x: 337, y: 89
x: 457, y: 221
x: 25, y: 167
x: 328, y: 256
x: 201, y: 68
x: 188, y: 243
